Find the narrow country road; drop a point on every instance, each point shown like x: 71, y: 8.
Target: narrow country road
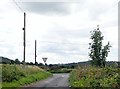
x: 57, y: 80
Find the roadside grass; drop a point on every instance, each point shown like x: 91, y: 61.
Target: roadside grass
x: 26, y: 80
x: 15, y: 72
x: 95, y: 77
x: 17, y: 75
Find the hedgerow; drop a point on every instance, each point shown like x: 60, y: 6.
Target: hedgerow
x: 95, y: 77
x: 14, y: 76
x: 15, y: 72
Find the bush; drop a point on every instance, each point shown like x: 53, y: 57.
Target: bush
x: 15, y: 72
x: 26, y: 80
x: 19, y: 75
x: 95, y: 77
x: 61, y: 70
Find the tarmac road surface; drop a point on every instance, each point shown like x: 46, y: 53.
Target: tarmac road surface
x: 57, y: 80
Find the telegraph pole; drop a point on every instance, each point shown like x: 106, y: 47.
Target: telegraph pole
x: 24, y: 38
x: 35, y: 51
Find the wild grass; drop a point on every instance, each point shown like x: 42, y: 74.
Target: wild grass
x: 18, y: 75
x: 95, y: 77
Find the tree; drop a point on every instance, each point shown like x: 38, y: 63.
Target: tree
x: 17, y: 61
x: 27, y: 63
x: 12, y: 61
x: 40, y: 64
x: 45, y: 64
x: 22, y: 62
x: 98, y: 53
x: 31, y: 63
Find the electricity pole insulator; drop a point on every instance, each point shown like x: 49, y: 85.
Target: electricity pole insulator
x: 97, y: 27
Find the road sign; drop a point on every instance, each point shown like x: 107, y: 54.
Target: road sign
x: 44, y: 59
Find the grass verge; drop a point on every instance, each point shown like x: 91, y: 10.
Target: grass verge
x: 19, y: 75
x: 95, y: 77
x: 26, y: 80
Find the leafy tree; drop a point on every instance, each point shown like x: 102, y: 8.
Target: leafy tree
x: 22, y: 62
x: 27, y: 63
x: 31, y: 63
x: 17, y: 61
x: 45, y: 64
x: 118, y: 64
x: 98, y: 53
x: 12, y: 61
x: 40, y: 64
x: 36, y: 63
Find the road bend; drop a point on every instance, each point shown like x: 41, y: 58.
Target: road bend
x: 57, y: 80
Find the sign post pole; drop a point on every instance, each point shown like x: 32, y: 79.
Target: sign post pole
x: 45, y: 59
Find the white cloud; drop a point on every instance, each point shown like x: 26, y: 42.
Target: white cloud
x: 62, y: 38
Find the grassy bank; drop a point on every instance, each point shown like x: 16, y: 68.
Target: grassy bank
x: 95, y: 77
x: 18, y: 75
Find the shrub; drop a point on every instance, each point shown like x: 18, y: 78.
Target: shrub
x: 15, y: 72
x: 95, y: 77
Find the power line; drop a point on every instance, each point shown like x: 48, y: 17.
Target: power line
x: 18, y: 6
x: 63, y: 43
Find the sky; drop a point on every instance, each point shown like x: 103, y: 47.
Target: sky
x: 61, y: 28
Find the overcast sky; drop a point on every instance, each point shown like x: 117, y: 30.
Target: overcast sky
x: 62, y: 29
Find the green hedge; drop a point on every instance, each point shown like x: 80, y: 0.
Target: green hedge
x: 26, y: 80
x: 62, y: 70
x: 15, y: 72
x: 17, y: 75
x: 95, y: 77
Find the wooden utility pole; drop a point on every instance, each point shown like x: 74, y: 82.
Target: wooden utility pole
x: 24, y: 37
x: 35, y: 51
x: 119, y: 34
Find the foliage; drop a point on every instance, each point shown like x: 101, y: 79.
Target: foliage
x: 26, y: 80
x: 95, y: 77
x: 18, y: 75
x: 61, y: 70
x: 98, y: 53
x: 15, y: 72
x: 17, y: 61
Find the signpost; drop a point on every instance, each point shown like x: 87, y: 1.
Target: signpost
x: 45, y: 59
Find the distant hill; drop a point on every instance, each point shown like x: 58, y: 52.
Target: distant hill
x: 4, y: 60
x: 85, y: 63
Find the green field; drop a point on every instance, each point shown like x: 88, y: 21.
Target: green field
x: 61, y: 70
x: 95, y: 77
x: 18, y: 75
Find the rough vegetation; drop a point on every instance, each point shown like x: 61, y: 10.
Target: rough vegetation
x: 99, y: 74
x: 95, y: 77
x: 61, y: 70
x: 17, y: 75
